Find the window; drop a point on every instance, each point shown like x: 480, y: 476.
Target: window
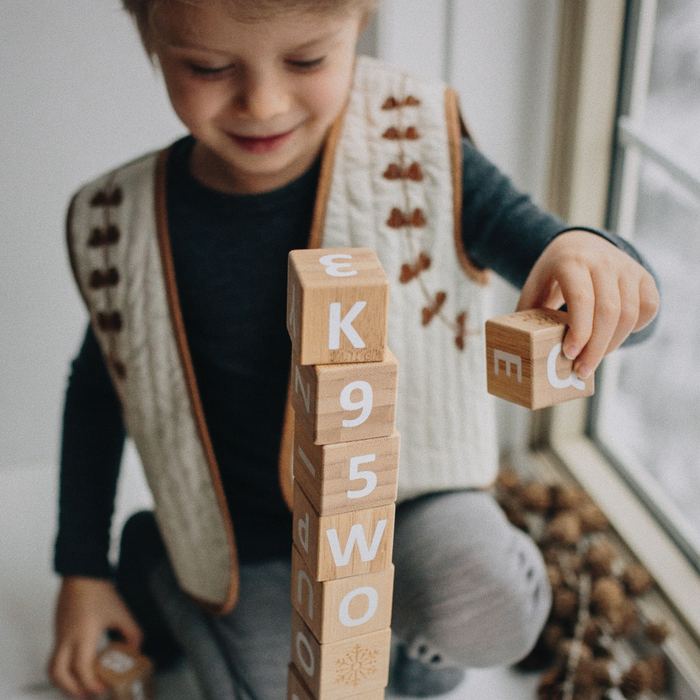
x: 647, y: 416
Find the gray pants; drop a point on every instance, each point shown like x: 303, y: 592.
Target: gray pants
x: 470, y: 589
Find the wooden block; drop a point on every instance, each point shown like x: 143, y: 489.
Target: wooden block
x: 341, y: 669
x: 348, y: 475
x: 337, y: 305
x: 297, y: 690
x: 128, y: 676
x: 348, y: 544
x: 345, y: 607
x: 524, y: 361
x: 340, y: 403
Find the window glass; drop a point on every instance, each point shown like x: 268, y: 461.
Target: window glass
x: 649, y: 412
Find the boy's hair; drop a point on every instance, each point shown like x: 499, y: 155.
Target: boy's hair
x: 245, y: 10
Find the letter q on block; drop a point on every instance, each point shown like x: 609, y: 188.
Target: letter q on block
x: 524, y: 362
x: 337, y: 305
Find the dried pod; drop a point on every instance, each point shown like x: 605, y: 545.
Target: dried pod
x: 507, y: 479
x: 607, y: 593
x: 554, y: 575
x: 565, y: 604
x: 600, y: 558
x: 657, y: 632
x: 600, y: 669
x: 637, y: 580
x: 636, y: 679
x: 592, y: 633
x: 565, y: 647
x: 584, y: 673
x: 623, y: 619
x: 565, y: 528
x: 536, y: 496
x: 592, y: 518
x: 658, y: 673
x: 565, y: 497
x: 552, y: 635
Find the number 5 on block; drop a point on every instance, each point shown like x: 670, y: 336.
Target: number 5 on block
x: 337, y: 305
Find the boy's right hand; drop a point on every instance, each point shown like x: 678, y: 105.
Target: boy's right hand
x: 85, y: 610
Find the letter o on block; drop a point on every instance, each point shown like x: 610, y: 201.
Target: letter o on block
x: 372, y: 605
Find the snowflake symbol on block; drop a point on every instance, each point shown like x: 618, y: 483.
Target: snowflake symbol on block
x: 356, y: 666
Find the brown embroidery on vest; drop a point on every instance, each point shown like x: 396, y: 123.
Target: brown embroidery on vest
x: 396, y: 172
x: 429, y: 312
x: 398, y: 219
x: 109, y: 321
x: 462, y: 331
x: 103, y: 236
x: 409, y: 272
x: 394, y: 134
x: 104, y: 278
x: 392, y: 103
x: 118, y: 367
x: 103, y: 198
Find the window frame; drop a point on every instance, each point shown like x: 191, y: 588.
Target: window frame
x: 583, y: 159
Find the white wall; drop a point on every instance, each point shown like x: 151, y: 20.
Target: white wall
x: 79, y: 96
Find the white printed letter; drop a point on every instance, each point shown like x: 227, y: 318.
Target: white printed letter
x: 299, y: 386
x: 369, y: 476
x: 306, y: 461
x: 335, y: 325
x: 571, y: 380
x: 303, y: 576
x: 365, y: 403
x: 357, y: 533
x: 333, y: 268
x: 303, y: 530
x: 308, y: 666
x: 372, y: 605
x: 509, y: 359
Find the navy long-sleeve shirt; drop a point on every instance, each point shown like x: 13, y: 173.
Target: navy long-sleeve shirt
x: 230, y: 257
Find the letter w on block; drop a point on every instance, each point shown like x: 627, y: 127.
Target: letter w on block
x: 357, y: 534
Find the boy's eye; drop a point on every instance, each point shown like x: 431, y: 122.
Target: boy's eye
x: 207, y: 70
x: 306, y: 65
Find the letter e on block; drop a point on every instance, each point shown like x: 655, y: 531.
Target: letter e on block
x: 337, y: 305
x: 349, y: 668
x: 347, y: 544
x: 524, y: 362
x: 127, y: 675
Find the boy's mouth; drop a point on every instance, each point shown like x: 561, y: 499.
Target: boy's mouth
x: 261, y: 144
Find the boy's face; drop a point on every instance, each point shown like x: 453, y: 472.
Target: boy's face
x: 259, y: 97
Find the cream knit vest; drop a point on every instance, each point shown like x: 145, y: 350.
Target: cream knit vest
x: 390, y: 180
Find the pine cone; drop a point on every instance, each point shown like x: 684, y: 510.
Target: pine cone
x: 637, y: 679
x: 565, y: 604
x: 637, y: 580
x: 592, y: 518
x: 658, y: 671
x: 565, y: 528
x: 607, y: 593
x: 600, y: 558
x: 537, y: 497
x: 657, y: 632
x: 565, y: 497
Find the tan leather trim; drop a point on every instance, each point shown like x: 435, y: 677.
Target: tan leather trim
x: 315, y: 240
x: 455, y: 129
x: 188, y: 369
x: 70, y: 242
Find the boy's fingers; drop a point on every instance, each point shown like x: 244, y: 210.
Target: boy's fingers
x: 84, y: 664
x: 579, y: 296
x: 605, y: 321
x: 629, y: 314
x: 649, y: 301
x: 133, y: 636
x: 60, y: 672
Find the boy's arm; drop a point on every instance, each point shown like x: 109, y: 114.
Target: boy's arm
x: 88, y: 604
x: 608, y: 287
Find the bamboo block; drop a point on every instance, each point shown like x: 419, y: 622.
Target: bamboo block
x: 127, y: 675
x: 347, y: 544
x: 524, y: 362
x: 345, y: 607
x: 341, y: 669
x: 337, y: 305
x: 348, y: 475
x: 297, y: 689
x: 340, y: 403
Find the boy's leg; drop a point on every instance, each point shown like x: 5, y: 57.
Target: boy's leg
x: 243, y: 655
x: 470, y: 589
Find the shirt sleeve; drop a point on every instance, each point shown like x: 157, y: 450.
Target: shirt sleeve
x: 91, y: 450
x: 505, y: 231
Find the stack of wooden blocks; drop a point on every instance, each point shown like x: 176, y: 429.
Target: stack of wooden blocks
x: 345, y: 462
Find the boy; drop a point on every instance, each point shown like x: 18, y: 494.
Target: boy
x: 181, y: 259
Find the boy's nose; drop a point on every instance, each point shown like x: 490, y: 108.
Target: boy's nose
x: 265, y: 97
